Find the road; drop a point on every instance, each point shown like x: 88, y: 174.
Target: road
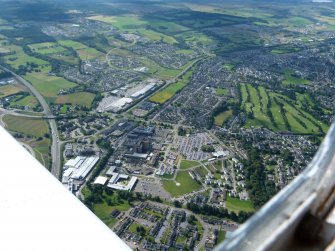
x: 55, y: 147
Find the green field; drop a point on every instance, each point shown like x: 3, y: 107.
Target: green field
x: 185, y: 164
x: 24, y: 101
x: 220, y: 119
x: 103, y: 210
x: 79, y: 98
x: 167, y: 93
x: 42, y: 151
x: 56, y: 51
x: 72, y: 44
x: 47, y: 48
x: 202, y: 171
x: 290, y: 79
x: 48, y: 86
x: 22, y: 59
x: 83, y: 51
x: 183, y: 184
x: 221, y: 91
x: 166, y: 27
x: 8, y: 90
x: 237, y: 205
x: 28, y: 126
x: 156, y: 36
x: 89, y: 53
x: 221, y: 236
x: 125, y: 22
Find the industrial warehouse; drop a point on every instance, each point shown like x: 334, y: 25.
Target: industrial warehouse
x: 76, y: 170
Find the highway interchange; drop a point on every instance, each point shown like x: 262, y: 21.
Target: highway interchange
x: 55, y: 147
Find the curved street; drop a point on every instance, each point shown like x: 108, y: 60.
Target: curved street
x: 55, y: 147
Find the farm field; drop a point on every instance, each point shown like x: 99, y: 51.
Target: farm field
x: 48, y: 86
x: 27, y: 101
x: 47, y: 48
x: 8, y: 90
x: 237, y: 205
x: 83, y: 51
x: 156, y: 36
x: 27, y: 126
x: 54, y: 50
x: 182, y: 185
x: 125, y: 22
x: 22, y: 59
x: 164, y: 95
x: 79, y: 98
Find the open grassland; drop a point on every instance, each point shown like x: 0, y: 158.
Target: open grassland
x: 184, y: 184
x: 220, y: 119
x: 79, y: 98
x: 185, y: 164
x: 167, y: 93
x: 8, y: 90
x: 48, y: 86
x: 237, y: 205
x: 125, y: 22
x: 27, y: 126
x: 277, y: 112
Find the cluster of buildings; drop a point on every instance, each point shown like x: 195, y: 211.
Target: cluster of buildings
x: 75, y: 171
x: 123, y: 97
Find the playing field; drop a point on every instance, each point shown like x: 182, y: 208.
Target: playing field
x: 185, y: 164
x: 79, y: 98
x: 48, y: 86
x: 237, y: 205
x: 28, y: 126
x: 182, y: 185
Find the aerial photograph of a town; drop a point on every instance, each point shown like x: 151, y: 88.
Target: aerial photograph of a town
x: 172, y: 121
